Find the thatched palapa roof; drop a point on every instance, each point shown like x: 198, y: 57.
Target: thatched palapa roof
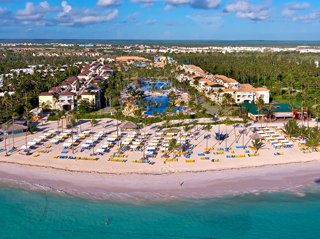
x: 129, y: 125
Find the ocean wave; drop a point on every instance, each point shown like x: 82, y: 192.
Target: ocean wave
x: 139, y: 197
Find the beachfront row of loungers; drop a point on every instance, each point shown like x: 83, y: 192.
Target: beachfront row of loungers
x: 134, y: 141
x: 38, y: 141
x: 305, y: 149
x: 277, y: 140
x: 161, y: 142
x: 118, y: 158
x: 193, y: 160
x: 75, y: 157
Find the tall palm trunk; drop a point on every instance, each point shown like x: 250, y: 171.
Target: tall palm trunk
x: 12, y: 133
x: 5, y: 144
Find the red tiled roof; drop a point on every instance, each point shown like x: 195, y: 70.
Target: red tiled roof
x: 70, y: 80
x: 67, y: 93
x: 55, y: 90
x: 45, y: 94
x: 196, y: 68
x: 226, y: 79
x: 88, y: 93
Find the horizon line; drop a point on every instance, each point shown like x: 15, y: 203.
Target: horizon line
x: 119, y: 39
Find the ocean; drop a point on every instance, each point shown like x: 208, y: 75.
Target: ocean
x: 186, y: 43
x: 34, y: 214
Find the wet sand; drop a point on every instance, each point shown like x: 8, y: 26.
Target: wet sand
x: 133, y: 187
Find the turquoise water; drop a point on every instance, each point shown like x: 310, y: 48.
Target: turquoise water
x: 163, y: 100
x: 27, y: 214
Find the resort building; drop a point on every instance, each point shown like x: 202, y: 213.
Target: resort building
x: 71, y: 84
x: 222, y: 89
x: 195, y: 70
x: 92, y: 94
x: 47, y: 99
x: 161, y: 61
x: 131, y: 59
x: 279, y: 111
x: 1, y: 80
x: 66, y: 101
x: 84, y: 86
x: 226, y: 81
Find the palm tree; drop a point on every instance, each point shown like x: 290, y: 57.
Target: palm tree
x: 291, y: 128
x: 220, y: 91
x: 270, y: 112
x: 44, y: 107
x: 93, y: 121
x: 208, y: 127
x: 72, y: 123
x: 260, y: 104
x: 77, y: 117
x: 257, y: 144
x: 186, y: 128
x: 227, y: 99
x: 173, y: 145
x: 14, y: 116
x: 60, y: 114
x: 138, y: 114
x: 303, y: 131
x: 6, y: 100
x: 118, y: 116
x: 167, y: 122
x: 313, y: 137
x: 27, y: 116
x: 108, y: 95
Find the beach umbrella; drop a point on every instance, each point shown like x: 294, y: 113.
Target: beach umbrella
x: 256, y: 136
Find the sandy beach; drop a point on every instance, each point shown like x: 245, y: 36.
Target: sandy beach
x: 291, y: 177
x: 222, y: 173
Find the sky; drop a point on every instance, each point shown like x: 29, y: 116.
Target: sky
x: 160, y: 19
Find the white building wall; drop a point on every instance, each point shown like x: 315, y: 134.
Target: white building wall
x: 265, y: 95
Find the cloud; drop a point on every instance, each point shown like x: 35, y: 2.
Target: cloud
x: 171, y: 23
x: 307, y: 18
x: 297, y: 6
x: 145, y: 3
x: 244, y: 9
x: 77, y: 17
x: 206, y: 19
x: 5, y: 16
x: 199, y: 4
x: 44, y: 14
x: 291, y: 11
x: 66, y: 7
x: 131, y: 18
x: 151, y: 22
x: 109, y: 3
x: 38, y: 14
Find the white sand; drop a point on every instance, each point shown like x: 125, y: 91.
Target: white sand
x: 135, y: 187
x: 201, y: 179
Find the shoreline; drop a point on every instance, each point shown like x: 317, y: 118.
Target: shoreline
x: 155, y: 173
x: 158, y: 187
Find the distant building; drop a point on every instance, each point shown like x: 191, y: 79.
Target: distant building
x: 66, y: 101
x: 85, y: 86
x: 216, y: 87
x: 130, y: 59
x: 192, y: 69
x: 280, y: 111
x: 71, y: 84
x: 93, y: 98
x: 48, y: 99
x: 1, y: 80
